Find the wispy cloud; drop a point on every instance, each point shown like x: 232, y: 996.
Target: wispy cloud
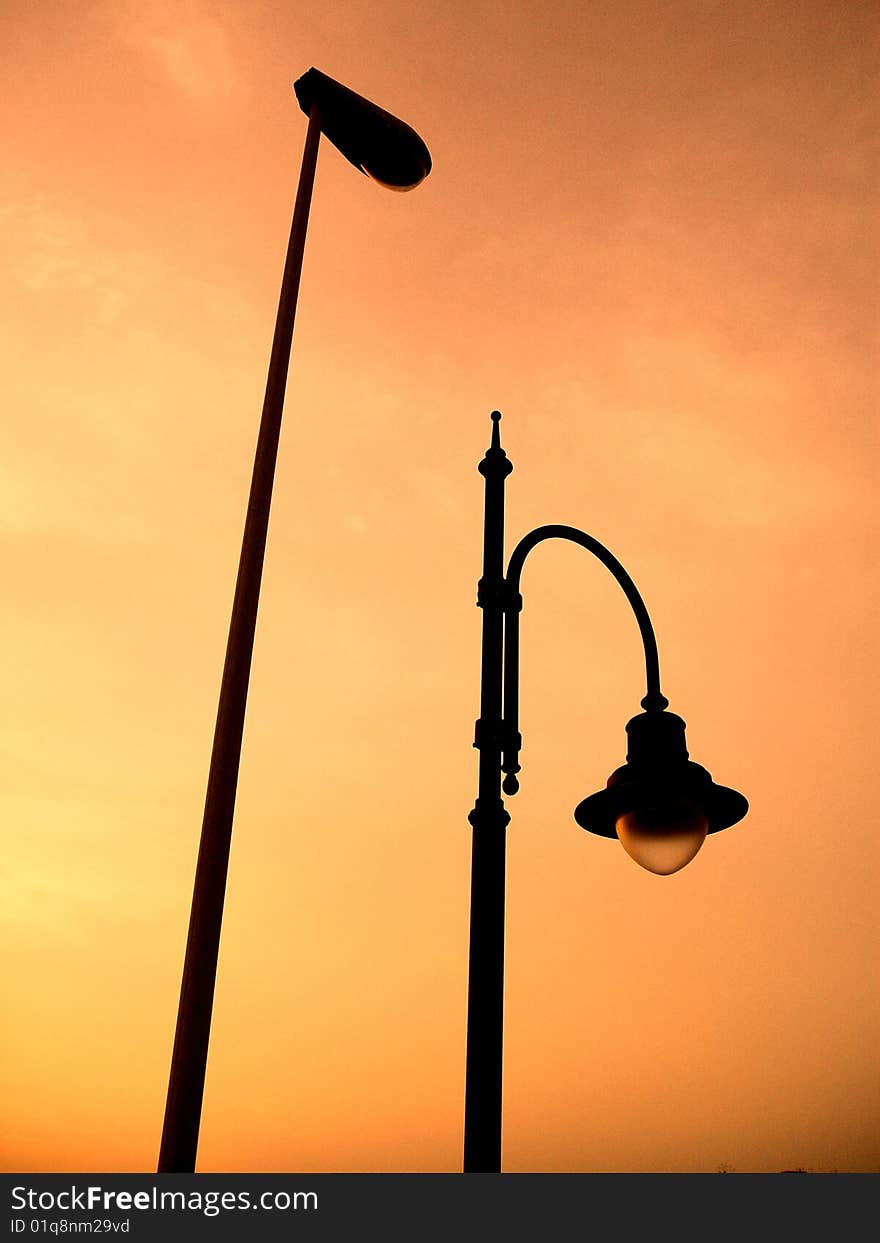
x: 52, y: 251
x: 743, y: 470
x: 190, y: 45
x: 106, y: 339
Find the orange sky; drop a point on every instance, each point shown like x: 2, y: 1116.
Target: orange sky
x: 649, y: 238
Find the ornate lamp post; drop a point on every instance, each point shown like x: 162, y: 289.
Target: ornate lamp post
x: 659, y: 803
x: 393, y: 154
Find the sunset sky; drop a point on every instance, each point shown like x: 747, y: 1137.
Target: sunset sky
x: 650, y: 239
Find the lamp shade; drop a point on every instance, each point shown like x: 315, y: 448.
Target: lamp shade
x: 660, y: 791
x: 379, y: 144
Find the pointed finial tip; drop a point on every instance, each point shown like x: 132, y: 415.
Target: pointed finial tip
x: 495, y: 459
x: 495, y: 416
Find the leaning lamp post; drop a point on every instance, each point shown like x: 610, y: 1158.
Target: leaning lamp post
x: 390, y: 152
x: 659, y: 804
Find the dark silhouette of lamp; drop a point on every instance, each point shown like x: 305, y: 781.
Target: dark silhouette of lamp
x: 379, y: 144
x: 659, y: 804
x: 394, y: 155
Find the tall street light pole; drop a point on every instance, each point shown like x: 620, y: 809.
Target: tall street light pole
x: 659, y: 804
x: 389, y: 151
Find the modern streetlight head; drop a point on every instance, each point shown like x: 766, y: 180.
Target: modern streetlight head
x: 379, y: 144
x: 660, y: 804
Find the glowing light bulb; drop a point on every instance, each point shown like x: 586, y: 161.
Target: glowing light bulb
x: 665, y: 836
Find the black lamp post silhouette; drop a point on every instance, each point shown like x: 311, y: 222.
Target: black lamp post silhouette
x: 659, y: 804
x: 389, y: 151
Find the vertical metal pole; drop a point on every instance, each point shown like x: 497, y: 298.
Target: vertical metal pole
x: 183, y: 1108
x: 482, y: 1115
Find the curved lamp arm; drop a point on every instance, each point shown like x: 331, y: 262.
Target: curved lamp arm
x: 654, y: 699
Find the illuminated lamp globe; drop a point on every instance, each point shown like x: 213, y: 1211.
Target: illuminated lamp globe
x: 660, y: 805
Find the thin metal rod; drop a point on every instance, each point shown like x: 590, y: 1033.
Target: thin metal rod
x: 482, y: 1115
x: 180, y: 1133
x: 654, y: 698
